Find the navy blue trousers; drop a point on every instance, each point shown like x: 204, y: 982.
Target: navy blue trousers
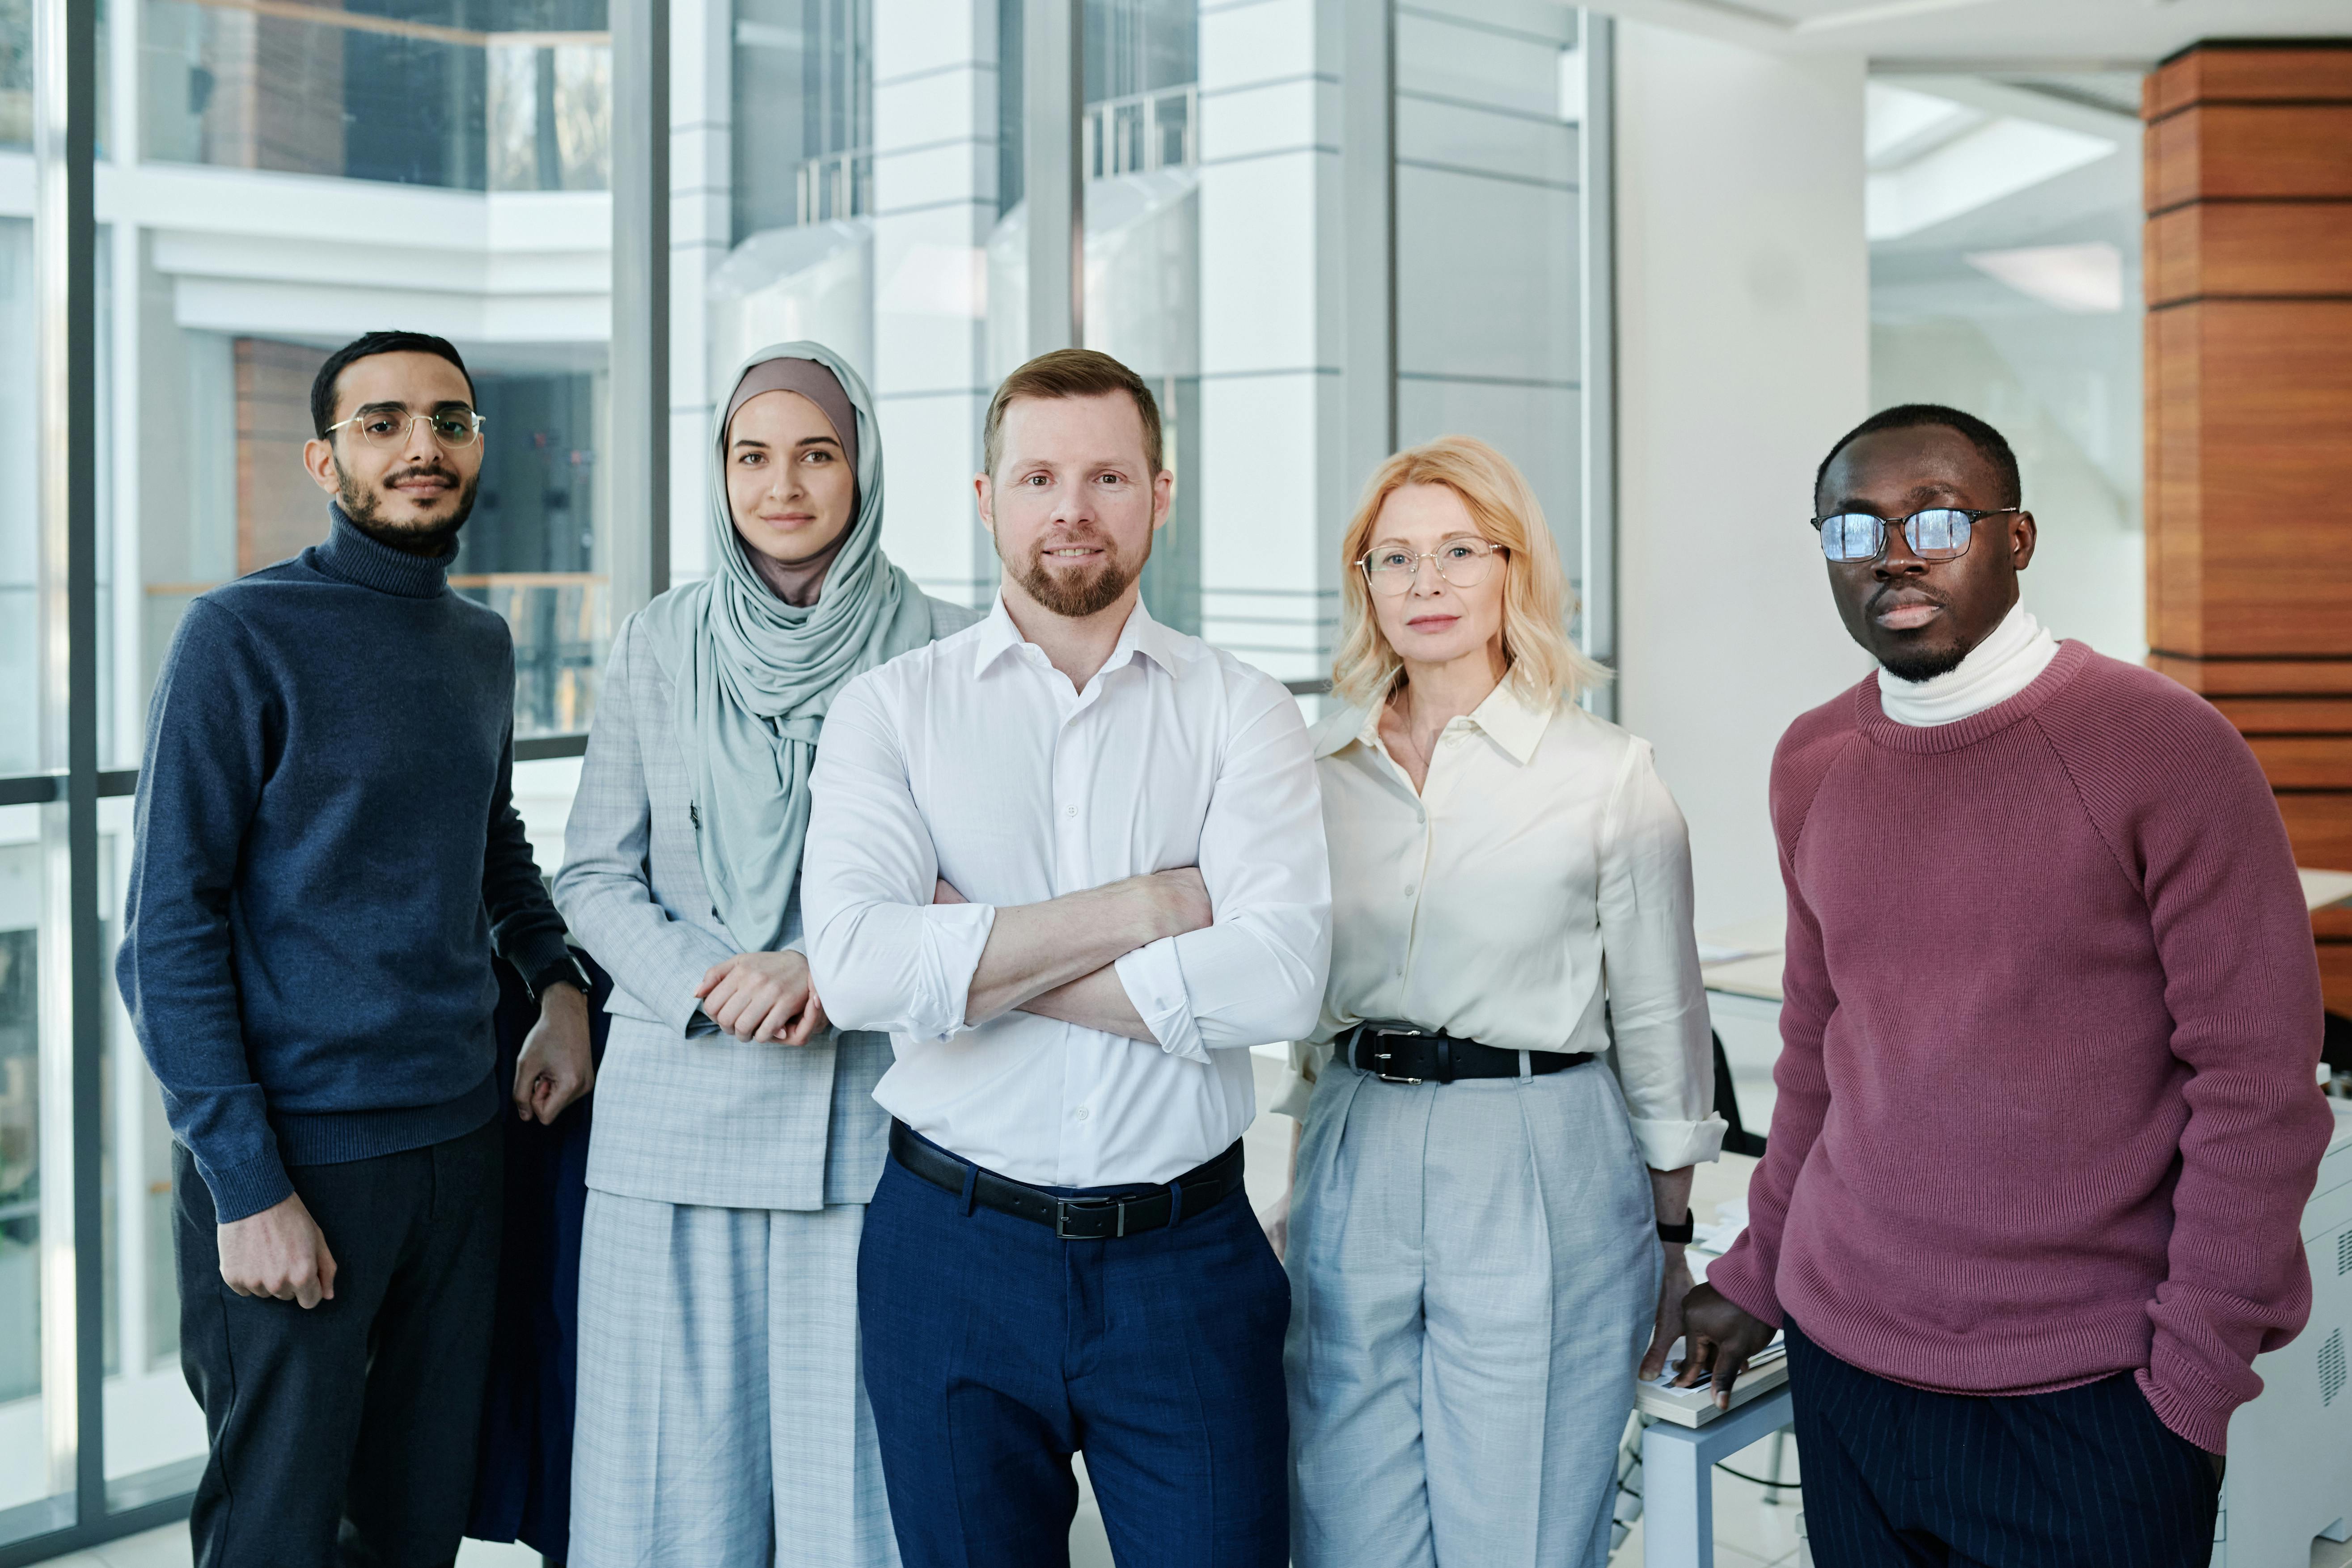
x: 2081, y: 1477
x: 994, y: 1351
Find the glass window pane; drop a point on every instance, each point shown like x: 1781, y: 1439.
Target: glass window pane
x: 1140, y: 152
x: 16, y: 74
x: 1487, y: 334
x: 20, y: 607
x: 441, y: 165
x: 36, y: 1370
x: 508, y: 260
x: 36, y: 1387
x: 864, y: 210
x: 154, y: 1428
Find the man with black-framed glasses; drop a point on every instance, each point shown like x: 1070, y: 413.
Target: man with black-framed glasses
x: 2046, y: 1125
x: 326, y: 856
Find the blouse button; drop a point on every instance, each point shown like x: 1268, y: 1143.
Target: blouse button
x: 1408, y: 889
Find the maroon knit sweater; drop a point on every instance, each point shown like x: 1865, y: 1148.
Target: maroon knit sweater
x: 2047, y: 1107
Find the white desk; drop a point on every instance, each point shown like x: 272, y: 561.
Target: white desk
x: 1678, y: 1479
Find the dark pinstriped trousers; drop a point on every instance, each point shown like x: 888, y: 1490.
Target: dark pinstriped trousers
x: 2081, y: 1477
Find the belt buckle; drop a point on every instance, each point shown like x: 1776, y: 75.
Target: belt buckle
x: 1381, y: 1035
x: 1063, y: 1207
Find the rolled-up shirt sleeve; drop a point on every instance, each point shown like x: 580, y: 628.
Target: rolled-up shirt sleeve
x: 1657, y: 1001
x: 1255, y: 975
x: 881, y: 954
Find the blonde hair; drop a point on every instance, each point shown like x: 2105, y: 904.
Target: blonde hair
x: 1537, y: 600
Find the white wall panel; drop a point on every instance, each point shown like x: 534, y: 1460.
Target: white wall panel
x: 1743, y: 314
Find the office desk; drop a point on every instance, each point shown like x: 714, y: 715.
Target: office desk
x: 1678, y: 1479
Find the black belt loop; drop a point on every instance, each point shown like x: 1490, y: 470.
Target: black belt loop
x: 1444, y: 1059
x: 1175, y: 1203
x: 970, y: 1187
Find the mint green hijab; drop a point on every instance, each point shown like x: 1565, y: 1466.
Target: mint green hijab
x: 755, y: 675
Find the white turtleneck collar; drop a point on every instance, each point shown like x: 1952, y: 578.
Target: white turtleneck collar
x: 1995, y: 670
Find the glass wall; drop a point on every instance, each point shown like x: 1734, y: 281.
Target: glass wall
x: 1140, y: 149
x: 859, y: 202
x: 304, y: 174
x: 20, y: 544
x: 36, y: 1479
x: 1487, y: 260
x: 401, y: 94
x: 497, y: 119
x: 2004, y: 222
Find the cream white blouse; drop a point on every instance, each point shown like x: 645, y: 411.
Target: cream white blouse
x: 1542, y: 869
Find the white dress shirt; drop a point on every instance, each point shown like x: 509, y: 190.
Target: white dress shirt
x: 975, y: 761
x: 2008, y: 661
x: 1542, y: 869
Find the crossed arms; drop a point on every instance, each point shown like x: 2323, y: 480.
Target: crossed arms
x: 1055, y: 959
x: 893, y: 948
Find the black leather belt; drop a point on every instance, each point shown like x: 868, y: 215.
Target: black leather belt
x: 1400, y: 1053
x: 1073, y: 1219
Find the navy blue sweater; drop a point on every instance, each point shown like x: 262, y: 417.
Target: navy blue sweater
x: 326, y: 853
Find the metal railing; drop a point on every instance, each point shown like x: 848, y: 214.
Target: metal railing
x: 561, y: 626
x: 836, y: 185
x: 1143, y: 131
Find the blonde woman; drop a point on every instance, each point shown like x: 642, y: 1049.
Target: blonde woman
x: 1483, y: 1187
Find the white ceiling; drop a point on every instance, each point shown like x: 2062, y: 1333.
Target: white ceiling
x: 2076, y: 33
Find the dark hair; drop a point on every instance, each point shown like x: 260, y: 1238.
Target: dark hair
x: 1989, y: 442
x: 322, y: 387
x: 1071, y: 372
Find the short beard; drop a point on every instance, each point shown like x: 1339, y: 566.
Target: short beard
x: 1924, y: 664
x: 1075, y: 599
x: 433, y: 540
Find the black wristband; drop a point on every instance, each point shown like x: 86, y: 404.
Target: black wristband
x: 564, y: 970
x: 1680, y: 1232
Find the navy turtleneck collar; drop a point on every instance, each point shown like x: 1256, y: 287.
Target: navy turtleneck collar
x: 355, y: 557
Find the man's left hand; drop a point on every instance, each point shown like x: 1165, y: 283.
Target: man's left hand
x: 556, y: 1065
x: 1673, y: 1285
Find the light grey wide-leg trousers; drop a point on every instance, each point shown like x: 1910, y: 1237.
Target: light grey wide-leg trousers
x: 1474, y: 1274
x: 722, y: 1417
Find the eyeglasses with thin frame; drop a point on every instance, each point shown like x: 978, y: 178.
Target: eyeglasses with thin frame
x: 1937, y: 533
x: 455, y: 426
x: 1465, y: 563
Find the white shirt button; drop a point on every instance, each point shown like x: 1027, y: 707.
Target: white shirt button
x: 1069, y: 811
x: 1408, y: 889
x: 1082, y: 1113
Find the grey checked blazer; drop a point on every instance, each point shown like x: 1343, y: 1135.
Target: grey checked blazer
x: 685, y: 1113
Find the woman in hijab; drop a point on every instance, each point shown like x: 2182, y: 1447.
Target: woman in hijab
x: 722, y: 1418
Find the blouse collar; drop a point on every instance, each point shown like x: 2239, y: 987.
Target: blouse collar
x: 1504, y: 716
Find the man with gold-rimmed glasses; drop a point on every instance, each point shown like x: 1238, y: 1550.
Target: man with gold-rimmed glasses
x: 327, y: 853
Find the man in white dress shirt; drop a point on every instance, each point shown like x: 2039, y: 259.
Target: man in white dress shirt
x: 1060, y: 1256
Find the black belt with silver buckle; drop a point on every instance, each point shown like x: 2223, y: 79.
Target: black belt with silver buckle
x: 1400, y: 1053
x: 1073, y: 1219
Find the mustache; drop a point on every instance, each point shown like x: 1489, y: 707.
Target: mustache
x: 1913, y: 593
x: 1090, y: 536
x: 419, y: 471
